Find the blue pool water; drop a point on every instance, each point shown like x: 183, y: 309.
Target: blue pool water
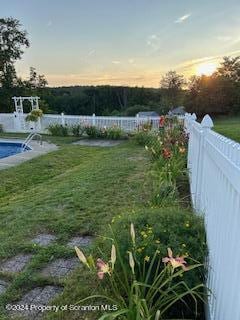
x: 10, y: 148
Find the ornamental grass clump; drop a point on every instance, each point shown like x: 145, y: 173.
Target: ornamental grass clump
x: 58, y: 130
x: 112, y: 133
x: 77, y: 130
x: 143, y: 289
x: 115, y: 133
x: 92, y: 132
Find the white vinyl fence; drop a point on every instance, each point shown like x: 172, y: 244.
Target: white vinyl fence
x: 214, y: 166
x: 14, y: 122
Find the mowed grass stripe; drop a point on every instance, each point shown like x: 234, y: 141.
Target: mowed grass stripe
x: 82, y: 199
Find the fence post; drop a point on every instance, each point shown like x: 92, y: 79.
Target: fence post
x: 189, y: 119
x: 137, y: 121
x: 62, y: 119
x: 206, y: 124
x: 93, y: 119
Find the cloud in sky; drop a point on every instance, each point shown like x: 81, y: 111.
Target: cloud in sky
x: 188, y: 67
x: 153, y: 41
x: 49, y: 23
x: 91, y: 52
x: 116, y: 62
x: 149, y: 79
x: 183, y: 18
x: 224, y: 38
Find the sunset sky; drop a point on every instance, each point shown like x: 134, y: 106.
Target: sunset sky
x: 124, y: 42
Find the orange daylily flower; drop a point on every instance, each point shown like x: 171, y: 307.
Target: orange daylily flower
x: 167, y: 153
x: 175, y: 262
x: 102, y: 268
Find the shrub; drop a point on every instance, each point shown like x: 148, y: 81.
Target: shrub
x: 77, y: 130
x: 133, y: 110
x: 58, y: 130
x: 1, y: 128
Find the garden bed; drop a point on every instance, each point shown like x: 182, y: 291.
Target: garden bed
x: 137, y: 269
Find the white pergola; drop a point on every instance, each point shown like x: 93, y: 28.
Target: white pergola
x: 18, y: 102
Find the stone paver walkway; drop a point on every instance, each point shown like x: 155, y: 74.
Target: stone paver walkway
x: 60, y: 268
x: 98, y: 142
x: 44, y: 239
x: 34, y: 299
x: 15, y: 264
x: 80, y: 241
x: 3, y: 286
x: 57, y: 269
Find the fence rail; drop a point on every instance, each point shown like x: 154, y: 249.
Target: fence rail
x: 14, y: 122
x: 214, y: 167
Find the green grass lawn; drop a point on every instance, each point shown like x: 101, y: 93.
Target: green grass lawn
x: 228, y: 126
x: 75, y: 190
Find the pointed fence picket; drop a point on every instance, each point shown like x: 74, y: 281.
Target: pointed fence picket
x: 214, y: 171
x: 13, y: 122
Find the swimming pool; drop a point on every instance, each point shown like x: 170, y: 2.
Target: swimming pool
x: 10, y: 148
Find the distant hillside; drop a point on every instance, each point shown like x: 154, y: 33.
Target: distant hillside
x: 102, y: 100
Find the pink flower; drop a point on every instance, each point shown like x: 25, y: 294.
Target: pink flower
x: 175, y: 262
x: 102, y: 268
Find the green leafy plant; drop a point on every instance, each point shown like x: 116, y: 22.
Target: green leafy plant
x: 1, y: 128
x: 164, y: 193
x: 115, y: 133
x: 160, y: 228
x: 167, y: 149
x: 77, y: 130
x: 142, y: 289
x: 58, y: 130
x: 142, y: 137
x: 34, y: 115
x: 146, y: 126
x: 92, y: 131
x: 102, y: 133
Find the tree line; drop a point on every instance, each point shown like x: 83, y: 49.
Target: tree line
x: 215, y: 94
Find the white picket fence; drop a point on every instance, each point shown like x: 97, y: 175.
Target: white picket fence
x: 14, y: 122
x: 214, y: 170
x: 214, y: 166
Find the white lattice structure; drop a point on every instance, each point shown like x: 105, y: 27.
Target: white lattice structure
x: 19, y: 112
x: 18, y: 102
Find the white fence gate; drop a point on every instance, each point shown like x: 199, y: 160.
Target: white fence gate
x: 14, y: 122
x: 214, y: 166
